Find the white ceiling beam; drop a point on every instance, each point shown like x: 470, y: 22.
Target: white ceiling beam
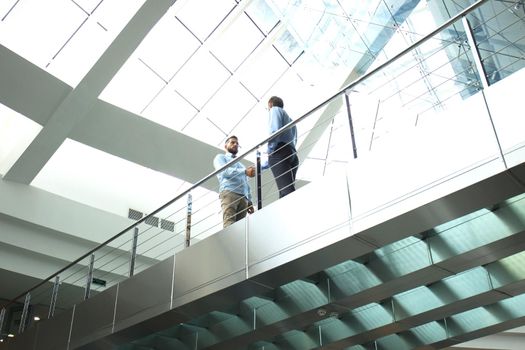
x: 77, y: 104
x: 28, y: 89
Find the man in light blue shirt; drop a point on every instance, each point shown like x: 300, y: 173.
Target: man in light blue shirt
x: 234, y: 190
x: 282, y: 155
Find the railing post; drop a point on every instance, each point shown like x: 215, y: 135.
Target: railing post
x: 475, y: 52
x: 2, y: 319
x: 351, y: 124
x: 188, y: 220
x: 258, y: 180
x: 133, y: 251
x: 54, y: 295
x: 89, y: 277
x: 25, y: 312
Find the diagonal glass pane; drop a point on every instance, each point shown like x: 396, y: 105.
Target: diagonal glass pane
x: 88, y: 5
x: 202, y: 17
x: 133, y: 87
x: 288, y: 47
x: 225, y: 114
x: 167, y: 47
x: 261, y: 71
x: 61, y: 36
x: 233, y: 44
x: 37, y: 29
x: 201, y: 128
x: 262, y: 14
x: 170, y: 109
x: 200, y: 78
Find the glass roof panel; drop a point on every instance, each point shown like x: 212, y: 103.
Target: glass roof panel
x: 16, y: 133
x: 252, y: 128
x: 71, y: 36
x: 170, y: 109
x: 101, y: 180
x: 288, y: 47
x: 200, y: 78
x: 88, y: 5
x: 37, y: 30
x: 134, y: 86
x: 202, y: 16
x: 232, y: 99
x: 261, y: 71
x: 167, y: 47
x: 233, y: 44
x: 262, y: 14
x: 201, y: 128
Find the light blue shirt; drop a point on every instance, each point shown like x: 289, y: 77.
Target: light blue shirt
x: 279, y: 118
x: 233, y: 178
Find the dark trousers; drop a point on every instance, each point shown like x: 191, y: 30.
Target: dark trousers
x: 284, y: 163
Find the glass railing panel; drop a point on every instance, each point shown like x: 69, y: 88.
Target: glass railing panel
x: 411, y: 123
x: 499, y: 31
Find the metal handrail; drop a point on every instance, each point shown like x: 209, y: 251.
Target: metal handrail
x: 279, y: 132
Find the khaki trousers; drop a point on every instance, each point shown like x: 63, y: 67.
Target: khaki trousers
x: 233, y: 206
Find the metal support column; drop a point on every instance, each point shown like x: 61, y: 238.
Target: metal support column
x: 2, y: 319
x: 25, y: 312
x: 133, y: 252
x: 188, y: 221
x: 351, y: 125
x: 54, y: 295
x: 89, y: 277
x: 258, y: 180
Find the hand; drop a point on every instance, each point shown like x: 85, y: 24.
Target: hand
x: 250, y: 171
x: 250, y: 208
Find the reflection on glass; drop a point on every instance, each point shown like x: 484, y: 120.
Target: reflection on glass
x: 262, y: 14
x: 288, y: 47
x: 499, y: 32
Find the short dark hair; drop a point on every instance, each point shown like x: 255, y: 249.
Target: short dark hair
x: 276, y: 101
x: 231, y: 137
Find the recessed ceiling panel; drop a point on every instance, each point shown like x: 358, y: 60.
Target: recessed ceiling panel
x: 16, y: 133
x: 101, y: 180
x: 202, y: 16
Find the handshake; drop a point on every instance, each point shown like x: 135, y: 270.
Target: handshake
x: 250, y: 171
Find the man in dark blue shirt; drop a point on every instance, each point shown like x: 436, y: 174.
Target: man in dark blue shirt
x: 282, y: 156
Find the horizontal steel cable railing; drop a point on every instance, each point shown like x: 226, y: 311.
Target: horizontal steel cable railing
x: 155, y: 243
